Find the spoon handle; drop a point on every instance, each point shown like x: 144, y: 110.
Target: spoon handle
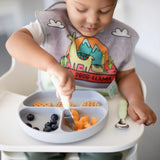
x: 122, y: 109
x: 64, y: 99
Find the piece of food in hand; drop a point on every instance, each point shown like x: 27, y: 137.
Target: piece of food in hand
x: 59, y: 104
x: 90, y: 103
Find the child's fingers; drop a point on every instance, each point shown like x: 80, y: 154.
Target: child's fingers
x: 152, y: 119
x: 68, y: 88
x: 143, y: 118
x: 57, y: 94
x: 133, y: 114
x: 147, y: 118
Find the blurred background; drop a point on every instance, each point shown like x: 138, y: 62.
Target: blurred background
x: 142, y: 15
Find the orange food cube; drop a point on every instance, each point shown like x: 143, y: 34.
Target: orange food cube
x: 94, y: 120
x: 80, y: 125
x: 85, y: 119
x: 75, y: 114
x: 87, y: 125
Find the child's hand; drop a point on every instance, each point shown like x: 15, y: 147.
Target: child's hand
x: 141, y: 112
x: 67, y: 84
x: 66, y: 81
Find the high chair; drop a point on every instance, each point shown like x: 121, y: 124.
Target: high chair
x: 22, y: 79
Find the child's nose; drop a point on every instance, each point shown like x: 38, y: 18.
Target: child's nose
x: 92, y: 18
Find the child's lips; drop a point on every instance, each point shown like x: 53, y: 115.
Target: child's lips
x: 89, y: 29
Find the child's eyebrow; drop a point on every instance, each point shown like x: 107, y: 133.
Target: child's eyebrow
x: 110, y: 5
x: 107, y: 6
x: 79, y: 3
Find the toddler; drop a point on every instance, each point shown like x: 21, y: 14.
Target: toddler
x: 82, y: 45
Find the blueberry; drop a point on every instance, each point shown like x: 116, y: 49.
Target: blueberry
x: 54, y: 127
x: 47, y: 129
x: 36, y: 128
x: 54, y: 116
x: 30, y: 117
x: 53, y: 121
x: 47, y: 124
x: 28, y: 124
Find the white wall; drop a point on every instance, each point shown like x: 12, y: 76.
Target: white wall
x: 16, y: 13
x: 144, y: 16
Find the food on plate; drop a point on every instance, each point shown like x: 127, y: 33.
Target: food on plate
x: 52, y: 125
x: 36, y: 128
x: 41, y: 104
x: 30, y: 117
x: 54, y: 118
x: 75, y: 114
x: 83, y: 122
x: 28, y: 124
x: 89, y: 103
x: 85, y: 119
x: 59, y: 104
x: 94, y: 120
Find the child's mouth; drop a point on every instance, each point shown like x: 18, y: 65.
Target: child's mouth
x: 90, y: 29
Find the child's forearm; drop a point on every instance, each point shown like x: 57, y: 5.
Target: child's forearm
x: 22, y: 47
x: 130, y: 86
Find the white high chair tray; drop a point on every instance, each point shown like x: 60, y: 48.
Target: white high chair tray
x: 109, y: 139
x: 63, y: 134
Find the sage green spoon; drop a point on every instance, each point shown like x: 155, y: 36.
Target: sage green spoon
x: 122, y: 113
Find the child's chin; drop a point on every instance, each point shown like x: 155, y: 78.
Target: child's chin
x: 89, y: 34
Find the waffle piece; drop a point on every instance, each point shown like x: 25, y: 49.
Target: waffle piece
x: 48, y: 104
x: 59, y: 104
x: 89, y: 103
x: 41, y: 104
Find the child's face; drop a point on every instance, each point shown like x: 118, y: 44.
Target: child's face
x: 90, y: 16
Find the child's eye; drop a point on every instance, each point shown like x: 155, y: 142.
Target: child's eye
x: 104, y: 11
x: 80, y: 10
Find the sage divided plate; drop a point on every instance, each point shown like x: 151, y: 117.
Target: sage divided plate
x: 63, y: 134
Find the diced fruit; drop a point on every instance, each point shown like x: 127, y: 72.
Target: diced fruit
x: 80, y: 125
x: 85, y: 119
x: 87, y: 125
x: 94, y: 120
x: 75, y: 114
x: 82, y: 122
x: 30, y: 117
